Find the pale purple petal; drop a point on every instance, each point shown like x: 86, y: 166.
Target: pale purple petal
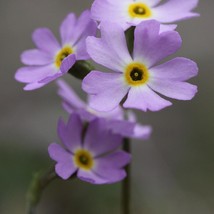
x: 151, y: 3
x: 52, y: 77
x: 110, y: 174
x: 58, y: 153
x: 36, y: 57
x: 108, y: 10
x: 110, y: 166
x: 34, y: 73
x: 67, y: 63
x: 172, y: 89
x: 150, y: 47
x: 103, y: 54
x: 80, y: 51
x: 114, y: 36
x: 142, y: 132
x: 143, y: 98
x: 65, y: 166
x: 177, y: 69
x: 168, y: 27
x: 34, y: 85
x: 122, y: 127
x: 46, y: 41
x: 175, y: 10
x: 65, y: 169
x: 71, y: 133
x: 69, y: 96
x: 99, y: 139
x: 117, y: 159
x: 91, y: 177
x: 85, y: 27
x: 109, y: 88
x: 67, y: 28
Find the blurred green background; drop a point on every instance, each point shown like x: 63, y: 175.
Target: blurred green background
x: 172, y: 173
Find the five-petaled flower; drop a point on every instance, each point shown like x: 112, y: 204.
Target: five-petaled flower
x: 51, y: 60
x: 93, y: 154
x: 132, y: 12
x: 138, y: 76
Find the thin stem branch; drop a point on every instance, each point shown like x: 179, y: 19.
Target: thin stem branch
x: 39, y: 182
x: 126, y: 184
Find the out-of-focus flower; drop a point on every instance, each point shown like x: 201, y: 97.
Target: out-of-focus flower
x: 132, y: 12
x: 115, y: 119
x: 92, y: 154
x: 51, y: 59
x: 138, y: 77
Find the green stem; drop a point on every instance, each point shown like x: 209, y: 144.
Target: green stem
x: 80, y: 69
x: 39, y: 182
x: 126, y: 184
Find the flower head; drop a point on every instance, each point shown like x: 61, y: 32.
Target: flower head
x: 93, y: 155
x: 132, y: 12
x: 138, y: 76
x: 115, y: 119
x: 51, y: 59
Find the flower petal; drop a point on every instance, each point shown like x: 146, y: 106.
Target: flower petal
x: 144, y: 98
x: 115, y: 38
x: 177, y: 69
x: 164, y: 28
x: 90, y: 177
x: 34, y: 73
x: 46, y: 41
x: 36, y: 57
x: 85, y: 27
x: 34, y: 85
x: 71, y: 133
x: 99, y: 139
x: 107, y: 10
x: 67, y: 63
x: 103, y: 54
x: 65, y: 166
x: 108, y: 88
x: 109, y: 166
x: 69, y: 96
x: 121, y: 127
x: 140, y: 131
x: 58, y: 153
x: 175, y: 10
x: 150, y: 47
x: 67, y: 28
x: 116, y: 159
x: 172, y: 89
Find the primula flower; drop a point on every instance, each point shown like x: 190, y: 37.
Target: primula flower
x: 132, y: 12
x: 137, y: 77
x: 51, y: 59
x: 114, y: 119
x: 92, y: 154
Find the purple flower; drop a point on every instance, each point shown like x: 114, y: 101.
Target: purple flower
x: 114, y: 119
x: 51, y: 59
x: 138, y: 77
x: 131, y: 12
x: 95, y: 158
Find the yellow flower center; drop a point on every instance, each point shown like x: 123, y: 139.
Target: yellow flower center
x: 62, y: 54
x: 83, y: 159
x: 139, y: 10
x: 136, y: 74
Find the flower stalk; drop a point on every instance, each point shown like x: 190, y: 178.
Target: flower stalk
x: 126, y: 183
x: 39, y: 182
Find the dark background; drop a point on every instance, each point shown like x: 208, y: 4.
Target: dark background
x: 172, y: 173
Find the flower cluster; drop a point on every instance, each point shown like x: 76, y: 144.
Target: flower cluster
x: 136, y: 36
